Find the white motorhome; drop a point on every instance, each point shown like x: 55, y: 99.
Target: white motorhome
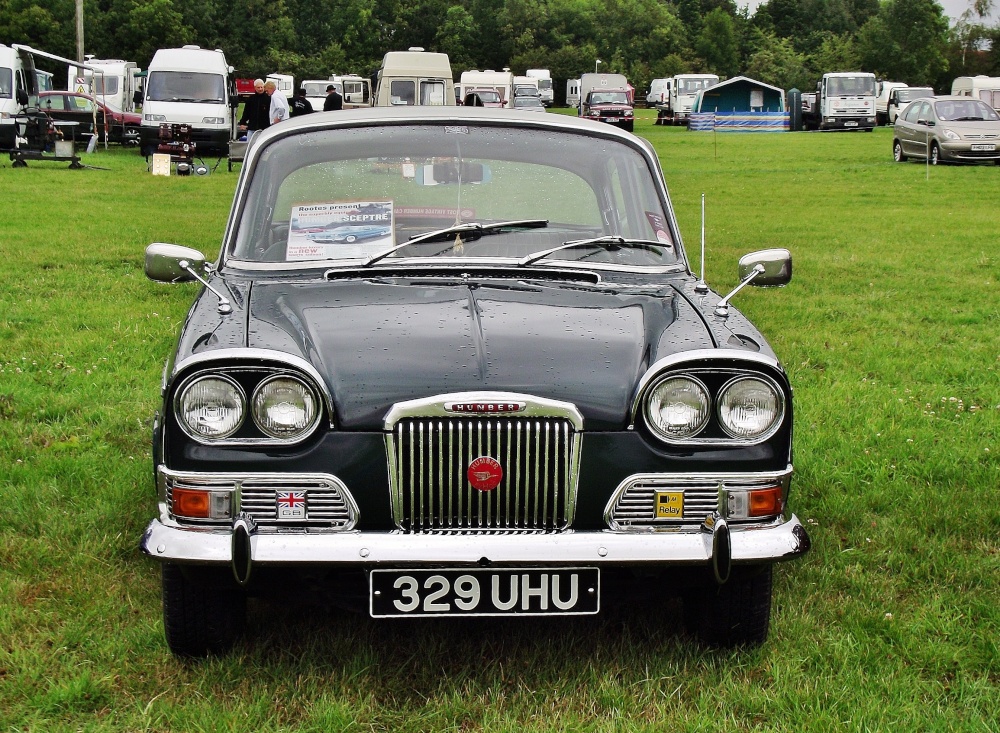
x: 573, y: 93
x: 478, y: 81
x: 844, y: 100
x: 284, y: 83
x: 545, y: 90
x: 415, y: 78
x: 679, y: 97
x: 116, y: 82
x: 18, y: 89
x: 986, y: 88
x: 882, y: 89
x: 190, y: 85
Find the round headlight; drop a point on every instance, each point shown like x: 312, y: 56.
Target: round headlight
x: 750, y: 408
x: 211, y: 407
x: 284, y: 407
x: 677, y: 408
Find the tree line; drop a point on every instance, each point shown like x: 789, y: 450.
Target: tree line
x: 786, y: 43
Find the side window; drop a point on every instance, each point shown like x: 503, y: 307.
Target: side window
x: 432, y: 93
x: 402, y: 92
x: 54, y: 101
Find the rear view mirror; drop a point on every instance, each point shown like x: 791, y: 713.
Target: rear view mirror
x: 777, y: 264
x: 168, y: 263
x: 436, y: 174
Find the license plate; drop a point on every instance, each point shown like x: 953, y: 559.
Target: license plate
x: 485, y: 592
x: 850, y: 124
x: 984, y: 147
x: 611, y: 119
x: 669, y: 505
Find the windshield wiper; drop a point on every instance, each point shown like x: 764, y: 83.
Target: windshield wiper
x: 612, y: 242
x: 474, y: 228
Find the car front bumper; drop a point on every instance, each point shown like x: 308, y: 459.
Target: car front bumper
x: 747, y: 544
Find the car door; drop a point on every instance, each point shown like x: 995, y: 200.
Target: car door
x: 913, y: 135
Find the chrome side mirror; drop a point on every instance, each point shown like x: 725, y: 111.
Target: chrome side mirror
x: 172, y: 263
x: 777, y: 264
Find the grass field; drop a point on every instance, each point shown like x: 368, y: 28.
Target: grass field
x: 890, y: 331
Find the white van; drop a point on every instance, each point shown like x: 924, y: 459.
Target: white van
x: 189, y: 85
x: 659, y: 92
x: 116, y: 83
x: 18, y: 89
x: 415, y: 77
x: 882, y: 89
x: 356, y: 90
x: 986, y: 88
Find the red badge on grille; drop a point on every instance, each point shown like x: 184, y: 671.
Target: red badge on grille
x: 485, y: 474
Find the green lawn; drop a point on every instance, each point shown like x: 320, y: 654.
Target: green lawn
x: 890, y: 331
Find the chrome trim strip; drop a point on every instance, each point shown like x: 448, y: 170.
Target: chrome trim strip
x: 680, y: 480
x: 436, y: 406
x: 229, y: 357
x: 779, y: 541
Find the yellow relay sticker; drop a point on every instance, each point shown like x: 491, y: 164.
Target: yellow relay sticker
x: 669, y: 505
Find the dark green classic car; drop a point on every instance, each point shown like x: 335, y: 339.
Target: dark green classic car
x: 518, y: 390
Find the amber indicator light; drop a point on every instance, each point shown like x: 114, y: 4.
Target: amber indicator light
x: 765, y: 502
x: 191, y: 503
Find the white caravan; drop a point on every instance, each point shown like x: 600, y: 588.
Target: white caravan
x: 545, y: 89
x: 415, y: 78
x: 986, y: 88
x: 190, y: 85
x: 573, y: 93
x: 500, y: 81
x: 114, y: 81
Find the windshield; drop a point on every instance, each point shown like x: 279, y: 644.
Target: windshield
x: 908, y: 95
x: 489, y: 96
x: 316, y: 88
x: 966, y: 110
x: 185, y: 86
x: 693, y: 86
x: 6, y: 85
x: 847, y: 85
x: 608, y: 98
x: 353, y: 193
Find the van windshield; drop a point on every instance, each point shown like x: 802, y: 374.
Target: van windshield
x: 843, y: 85
x: 6, y: 83
x: 185, y: 86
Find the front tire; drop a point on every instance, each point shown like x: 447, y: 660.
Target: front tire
x: 737, y: 613
x: 897, y: 152
x: 935, y: 154
x: 203, y: 613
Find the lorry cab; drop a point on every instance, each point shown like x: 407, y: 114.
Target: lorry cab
x: 415, y: 78
x: 18, y: 89
x: 189, y: 85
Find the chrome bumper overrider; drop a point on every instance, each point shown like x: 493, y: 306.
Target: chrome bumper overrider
x: 751, y: 544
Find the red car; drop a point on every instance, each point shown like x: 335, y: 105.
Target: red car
x: 122, y: 127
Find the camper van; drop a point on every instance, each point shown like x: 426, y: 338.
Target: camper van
x: 415, y: 78
x: 116, y: 83
x: 986, y: 88
x: 18, y: 89
x: 189, y: 85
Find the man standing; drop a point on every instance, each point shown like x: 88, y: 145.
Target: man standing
x: 300, y: 105
x: 279, y: 105
x: 256, y: 110
x: 333, y: 99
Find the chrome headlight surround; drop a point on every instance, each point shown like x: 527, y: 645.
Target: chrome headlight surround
x: 731, y: 413
x: 291, y: 427
x: 184, y: 410
x: 686, y: 398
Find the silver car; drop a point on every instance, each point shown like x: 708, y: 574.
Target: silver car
x: 947, y: 129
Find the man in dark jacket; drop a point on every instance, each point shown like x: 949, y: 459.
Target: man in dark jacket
x: 333, y: 99
x: 300, y: 105
x: 256, y: 110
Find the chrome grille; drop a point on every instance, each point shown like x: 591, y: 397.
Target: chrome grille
x: 633, y: 503
x: 432, y: 492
